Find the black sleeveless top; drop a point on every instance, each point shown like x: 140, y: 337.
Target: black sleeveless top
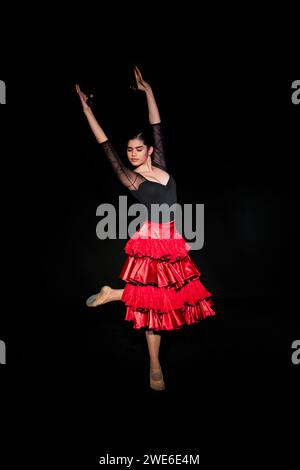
x: 155, y: 196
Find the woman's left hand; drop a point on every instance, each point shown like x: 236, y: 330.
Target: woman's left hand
x: 83, y: 98
x: 141, y: 84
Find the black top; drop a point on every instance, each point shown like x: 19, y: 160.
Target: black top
x: 145, y: 191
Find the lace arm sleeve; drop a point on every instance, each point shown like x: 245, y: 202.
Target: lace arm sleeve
x: 158, y: 156
x: 129, y: 178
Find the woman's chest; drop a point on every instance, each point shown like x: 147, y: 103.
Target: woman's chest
x: 157, y: 176
x: 152, y: 192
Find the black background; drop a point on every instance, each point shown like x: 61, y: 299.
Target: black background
x: 232, y: 140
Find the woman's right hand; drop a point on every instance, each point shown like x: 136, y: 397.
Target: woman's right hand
x: 141, y: 84
x: 83, y: 98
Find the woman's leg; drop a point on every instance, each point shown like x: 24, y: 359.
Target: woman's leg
x: 106, y: 294
x: 153, y: 341
x: 156, y: 375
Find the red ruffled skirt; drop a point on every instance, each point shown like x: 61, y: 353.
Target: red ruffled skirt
x: 163, y: 290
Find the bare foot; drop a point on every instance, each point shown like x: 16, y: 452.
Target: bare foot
x: 103, y: 297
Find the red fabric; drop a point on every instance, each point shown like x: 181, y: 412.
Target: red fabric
x: 159, y: 273
x: 164, y: 300
x: 157, y: 241
x: 163, y: 290
x: 173, y: 320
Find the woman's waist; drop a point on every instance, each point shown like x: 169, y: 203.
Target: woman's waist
x: 158, y: 230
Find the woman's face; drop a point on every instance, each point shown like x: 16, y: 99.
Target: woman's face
x: 138, y: 152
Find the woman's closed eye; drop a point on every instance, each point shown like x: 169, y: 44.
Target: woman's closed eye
x: 139, y: 149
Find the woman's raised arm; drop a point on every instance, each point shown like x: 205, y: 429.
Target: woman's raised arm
x: 154, y: 117
x: 127, y: 177
x: 158, y: 155
x: 94, y: 124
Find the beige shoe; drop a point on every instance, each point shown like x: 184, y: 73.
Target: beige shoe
x: 157, y: 379
x: 100, y: 298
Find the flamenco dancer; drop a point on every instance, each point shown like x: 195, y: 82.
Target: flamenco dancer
x: 163, y: 290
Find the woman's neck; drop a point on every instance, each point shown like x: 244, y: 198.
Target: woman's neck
x: 146, y: 167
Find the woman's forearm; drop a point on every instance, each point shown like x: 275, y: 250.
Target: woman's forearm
x: 154, y: 117
x: 95, y: 126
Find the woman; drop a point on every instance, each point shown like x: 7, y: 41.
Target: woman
x: 163, y: 290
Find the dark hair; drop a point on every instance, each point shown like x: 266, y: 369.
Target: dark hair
x: 145, y: 136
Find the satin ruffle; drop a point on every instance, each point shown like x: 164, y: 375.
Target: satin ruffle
x: 173, y: 320
x: 144, y: 298
x: 157, y: 241
x: 163, y: 290
x: 159, y: 273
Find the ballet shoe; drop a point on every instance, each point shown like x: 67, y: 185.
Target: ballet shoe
x: 100, y: 298
x: 156, y: 379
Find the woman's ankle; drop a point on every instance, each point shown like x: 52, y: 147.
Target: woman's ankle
x: 116, y: 294
x: 155, y: 365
